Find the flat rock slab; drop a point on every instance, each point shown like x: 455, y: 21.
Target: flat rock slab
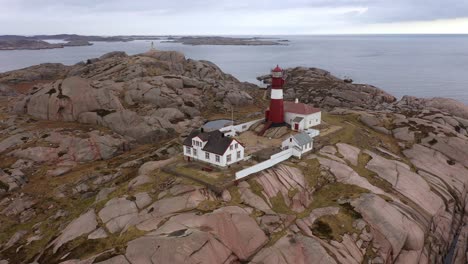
x: 297, y: 249
x: 231, y: 225
x: 84, y: 224
x: 117, y: 213
x: 349, y: 152
x: 408, y: 183
x: 396, y: 228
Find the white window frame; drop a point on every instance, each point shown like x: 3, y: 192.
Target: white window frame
x: 188, y: 150
x: 218, y: 158
x: 238, y: 154
x: 229, y: 158
x: 207, y: 155
x: 195, y: 152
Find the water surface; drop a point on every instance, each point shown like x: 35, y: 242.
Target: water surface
x: 419, y: 65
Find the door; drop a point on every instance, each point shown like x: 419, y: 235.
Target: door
x: 296, y: 126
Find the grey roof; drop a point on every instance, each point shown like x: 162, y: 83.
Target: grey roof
x: 216, y: 141
x: 302, y: 138
x: 298, y: 119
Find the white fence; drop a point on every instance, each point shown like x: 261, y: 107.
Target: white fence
x: 232, y: 130
x: 274, y: 159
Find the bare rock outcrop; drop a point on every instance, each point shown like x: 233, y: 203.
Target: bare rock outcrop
x: 227, y: 234
x: 277, y: 182
x: 320, y: 88
x: 84, y: 224
x: 451, y: 106
x: 146, y: 97
x: 294, y: 249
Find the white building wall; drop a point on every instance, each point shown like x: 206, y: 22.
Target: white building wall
x: 298, y: 151
x: 289, y: 117
x: 233, y: 152
x: 313, y: 120
x: 307, y: 122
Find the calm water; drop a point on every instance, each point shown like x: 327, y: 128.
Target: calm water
x: 424, y: 66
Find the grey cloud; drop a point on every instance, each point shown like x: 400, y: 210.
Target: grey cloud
x: 47, y: 13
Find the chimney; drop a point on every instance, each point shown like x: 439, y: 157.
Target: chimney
x: 297, y: 101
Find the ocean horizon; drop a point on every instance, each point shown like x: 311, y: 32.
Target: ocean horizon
x: 419, y: 65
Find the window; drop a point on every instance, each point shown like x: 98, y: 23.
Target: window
x: 231, y: 147
x: 188, y: 150
x: 194, y: 152
x: 228, y: 158
x: 238, y: 154
x: 237, y: 145
x: 194, y: 142
x: 217, y: 158
x: 207, y: 155
x: 290, y: 139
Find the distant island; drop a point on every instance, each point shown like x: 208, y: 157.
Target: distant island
x: 213, y: 40
x: 15, y: 42
x: 37, y: 42
x: 31, y: 44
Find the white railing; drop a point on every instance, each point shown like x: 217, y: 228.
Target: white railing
x: 274, y: 159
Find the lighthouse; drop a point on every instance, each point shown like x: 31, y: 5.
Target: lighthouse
x: 275, y: 114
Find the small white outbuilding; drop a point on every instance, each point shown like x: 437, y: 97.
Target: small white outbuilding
x: 300, y: 144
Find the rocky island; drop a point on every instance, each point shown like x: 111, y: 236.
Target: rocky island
x: 14, y: 42
x: 84, y: 151
x: 195, y: 41
x: 27, y: 44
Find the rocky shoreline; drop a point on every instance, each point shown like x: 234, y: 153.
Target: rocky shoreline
x: 13, y: 42
x: 82, y: 147
x: 39, y: 44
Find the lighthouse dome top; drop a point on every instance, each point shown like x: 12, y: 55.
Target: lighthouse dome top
x: 277, y: 69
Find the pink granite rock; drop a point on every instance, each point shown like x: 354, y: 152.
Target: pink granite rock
x: 294, y: 249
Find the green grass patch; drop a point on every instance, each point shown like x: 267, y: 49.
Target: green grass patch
x: 322, y: 230
x: 371, y: 176
x: 208, y: 206
x: 357, y: 134
x: 279, y: 206
x: 312, y: 172
x: 256, y: 187
x: 275, y: 237
x: 4, y: 186
x: 235, y: 195
x: 330, y: 194
x: 334, y: 226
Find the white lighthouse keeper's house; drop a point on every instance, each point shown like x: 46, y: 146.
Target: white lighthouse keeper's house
x: 213, y: 147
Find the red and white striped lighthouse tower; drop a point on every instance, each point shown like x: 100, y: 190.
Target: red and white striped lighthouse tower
x: 276, y: 111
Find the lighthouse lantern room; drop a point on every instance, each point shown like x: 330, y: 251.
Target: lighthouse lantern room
x: 275, y: 114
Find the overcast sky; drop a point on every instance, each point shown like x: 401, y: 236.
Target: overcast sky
x: 179, y: 17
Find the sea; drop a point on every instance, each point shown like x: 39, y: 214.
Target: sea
x: 417, y: 65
